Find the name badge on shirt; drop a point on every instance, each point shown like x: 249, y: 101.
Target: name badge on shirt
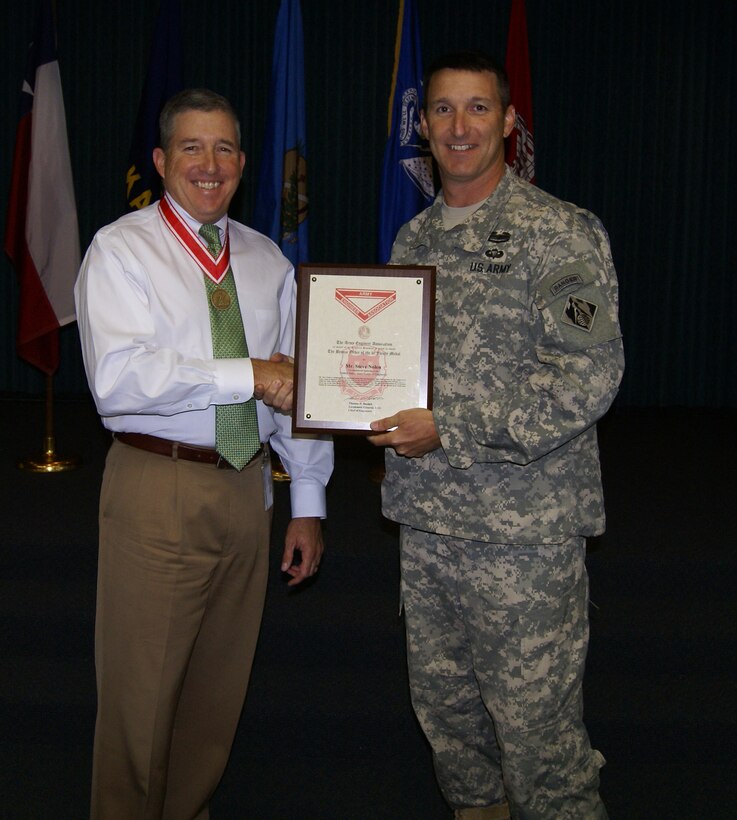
x: 268, y: 481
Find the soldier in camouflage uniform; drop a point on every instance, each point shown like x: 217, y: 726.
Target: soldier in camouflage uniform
x: 498, y: 486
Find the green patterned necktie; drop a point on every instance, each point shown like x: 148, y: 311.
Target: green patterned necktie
x: 236, y: 425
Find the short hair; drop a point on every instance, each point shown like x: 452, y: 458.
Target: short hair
x: 469, y: 61
x: 193, y: 99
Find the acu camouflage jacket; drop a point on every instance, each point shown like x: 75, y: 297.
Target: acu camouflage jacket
x: 528, y: 356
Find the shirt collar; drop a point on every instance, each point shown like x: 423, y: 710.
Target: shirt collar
x: 222, y: 223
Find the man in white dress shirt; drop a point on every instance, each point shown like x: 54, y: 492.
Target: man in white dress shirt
x: 184, y: 536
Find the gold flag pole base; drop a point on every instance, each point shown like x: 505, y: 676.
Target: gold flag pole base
x: 49, y: 462
x: 278, y: 473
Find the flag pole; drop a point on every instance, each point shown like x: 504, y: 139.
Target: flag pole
x: 41, y: 232
x: 281, y: 209
x: 407, y: 185
x: 49, y: 461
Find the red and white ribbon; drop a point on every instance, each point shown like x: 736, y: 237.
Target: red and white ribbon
x: 214, y: 267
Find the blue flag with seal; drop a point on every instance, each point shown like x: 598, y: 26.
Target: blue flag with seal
x: 281, y: 200
x: 406, y: 179
x: 164, y: 78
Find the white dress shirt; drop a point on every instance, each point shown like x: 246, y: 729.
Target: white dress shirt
x: 144, y: 325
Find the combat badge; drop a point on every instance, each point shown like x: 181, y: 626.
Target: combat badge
x: 579, y: 313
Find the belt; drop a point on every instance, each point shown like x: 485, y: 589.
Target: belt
x: 176, y: 449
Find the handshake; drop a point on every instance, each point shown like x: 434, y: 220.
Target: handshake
x: 273, y: 381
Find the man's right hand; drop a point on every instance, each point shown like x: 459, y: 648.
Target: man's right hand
x: 273, y: 381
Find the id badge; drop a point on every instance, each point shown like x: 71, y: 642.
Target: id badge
x: 267, y: 479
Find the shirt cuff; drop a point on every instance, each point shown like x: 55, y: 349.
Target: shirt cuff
x: 308, y: 499
x: 233, y: 380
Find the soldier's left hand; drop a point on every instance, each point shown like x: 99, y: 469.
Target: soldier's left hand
x: 411, y: 433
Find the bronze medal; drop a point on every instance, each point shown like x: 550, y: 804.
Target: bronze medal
x: 220, y: 299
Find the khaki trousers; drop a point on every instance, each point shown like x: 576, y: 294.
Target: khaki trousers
x: 183, y: 565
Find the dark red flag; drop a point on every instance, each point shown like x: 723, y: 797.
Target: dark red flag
x: 520, y: 151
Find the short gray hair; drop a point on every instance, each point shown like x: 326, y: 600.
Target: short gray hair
x: 193, y: 99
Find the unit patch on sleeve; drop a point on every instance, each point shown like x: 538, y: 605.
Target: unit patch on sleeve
x: 579, y: 313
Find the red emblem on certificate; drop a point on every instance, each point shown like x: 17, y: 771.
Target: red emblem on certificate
x: 365, y: 304
x: 363, y: 374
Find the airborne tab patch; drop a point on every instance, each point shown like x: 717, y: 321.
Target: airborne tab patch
x: 579, y: 313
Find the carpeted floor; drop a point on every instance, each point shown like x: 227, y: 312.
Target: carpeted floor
x: 327, y: 732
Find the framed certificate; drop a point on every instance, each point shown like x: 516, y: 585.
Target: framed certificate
x: 364, y: 344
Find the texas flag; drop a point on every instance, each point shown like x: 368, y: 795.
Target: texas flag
x: 41, y: 233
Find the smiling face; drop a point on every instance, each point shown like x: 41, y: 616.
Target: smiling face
x: 465, y: 123
x: 202, y: 164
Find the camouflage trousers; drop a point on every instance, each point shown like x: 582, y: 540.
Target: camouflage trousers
x: 496, y: 640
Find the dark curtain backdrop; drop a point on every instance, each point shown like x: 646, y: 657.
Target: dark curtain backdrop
x: 634, y: 107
